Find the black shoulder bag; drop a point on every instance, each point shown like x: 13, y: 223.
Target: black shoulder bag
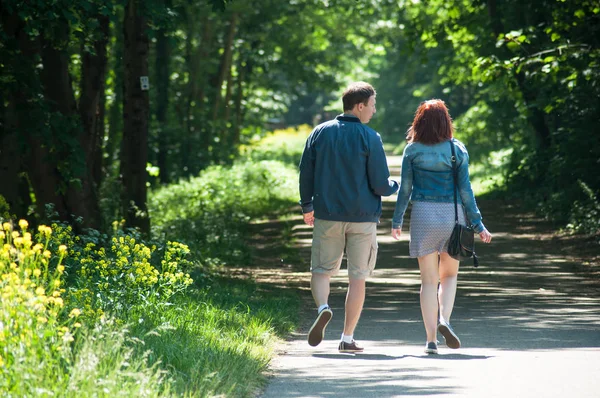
x: 462, y: 241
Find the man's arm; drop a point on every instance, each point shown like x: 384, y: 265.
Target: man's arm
x: 377, y: 168
x: 307, y: 176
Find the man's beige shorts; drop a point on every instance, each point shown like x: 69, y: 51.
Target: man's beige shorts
x: 330, y: 238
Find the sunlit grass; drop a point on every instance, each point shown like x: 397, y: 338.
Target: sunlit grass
x: 220, y: 339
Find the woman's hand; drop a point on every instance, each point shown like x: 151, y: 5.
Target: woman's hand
x: 485, y: 236
x: 396, y: 233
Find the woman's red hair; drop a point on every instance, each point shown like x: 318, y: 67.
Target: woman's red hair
x: 432, y: 123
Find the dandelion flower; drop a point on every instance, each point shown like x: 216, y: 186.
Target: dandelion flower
x: 23, y: 224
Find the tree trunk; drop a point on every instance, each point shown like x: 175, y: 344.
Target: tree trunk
x: 134, y: 148
x: 115, y: 111
x: 237, y: 122
x: 192, y: 61
x: 205, y: 132
x: 93, y: 73
x: 48, y: 150
x: 225, y: 66
x: 163, y: 54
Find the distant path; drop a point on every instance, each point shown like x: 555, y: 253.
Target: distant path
x: 528, y: 318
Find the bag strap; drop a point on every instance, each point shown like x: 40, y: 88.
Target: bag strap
x: 455, y: 178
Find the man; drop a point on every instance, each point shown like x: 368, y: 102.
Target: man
x: 343, y: 175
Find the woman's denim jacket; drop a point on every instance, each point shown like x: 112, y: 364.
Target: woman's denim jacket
x: 427, y: 177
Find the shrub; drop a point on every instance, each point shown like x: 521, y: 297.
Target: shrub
x: 35, y: 330
x: 210, y: 212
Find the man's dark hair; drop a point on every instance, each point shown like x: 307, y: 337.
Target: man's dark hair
x: 357, y: 93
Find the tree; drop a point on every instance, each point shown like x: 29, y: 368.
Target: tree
x: 134, y: 146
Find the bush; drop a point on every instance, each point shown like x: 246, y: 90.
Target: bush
x: 284, y: 145
x: 35, y: 330
x: 210, y: 212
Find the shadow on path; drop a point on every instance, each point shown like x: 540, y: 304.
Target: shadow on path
x: 531, y: 310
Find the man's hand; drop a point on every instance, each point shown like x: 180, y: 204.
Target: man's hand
x: 309, y: 218
x: 396, y: 233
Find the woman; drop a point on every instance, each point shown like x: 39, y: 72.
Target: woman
x: 427, y: 181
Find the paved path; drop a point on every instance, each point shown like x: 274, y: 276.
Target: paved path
x: 529, y: 324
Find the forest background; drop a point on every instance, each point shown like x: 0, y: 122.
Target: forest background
x: 136, y: 141
x: 79, y: 131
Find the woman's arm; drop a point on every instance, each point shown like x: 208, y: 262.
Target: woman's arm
x: 405, y: 190
x: 466, y: 194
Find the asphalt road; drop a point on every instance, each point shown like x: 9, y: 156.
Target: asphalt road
x: 528, y: 319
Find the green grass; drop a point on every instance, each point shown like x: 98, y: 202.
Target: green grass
x: 218, y: 340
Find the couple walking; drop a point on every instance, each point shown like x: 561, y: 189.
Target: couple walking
x: 344, y: 174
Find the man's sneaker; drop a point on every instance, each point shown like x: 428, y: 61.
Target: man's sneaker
x: 452, y: 340
x: 349, y: 347
x: 431, y: 347
x: 317, y: 331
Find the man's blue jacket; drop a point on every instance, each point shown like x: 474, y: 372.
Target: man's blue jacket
x: 344, y: 172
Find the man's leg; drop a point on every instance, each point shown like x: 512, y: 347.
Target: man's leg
x: 327, y: 253
x: 355, y: 300
x: 361, y: 249
x: 319, y: 285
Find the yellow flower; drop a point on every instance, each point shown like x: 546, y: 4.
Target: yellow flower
x: 2, y: 235
x: 75, y: 312
x: 37, y: 272
x: 61, y: 268
x: 40, y: 291
x: 7, y: 226
x: 77, y: 325
x: 47, y: 253
x: 62, y: 248
x: 23, y: 224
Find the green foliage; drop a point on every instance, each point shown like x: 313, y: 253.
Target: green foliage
x: 517, y: 75
x: 4, y: 209
x: 585, y: 212
x: 285, y: 145
x: 209, y: 212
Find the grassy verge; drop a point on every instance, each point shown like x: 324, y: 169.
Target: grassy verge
x: 116, y: 315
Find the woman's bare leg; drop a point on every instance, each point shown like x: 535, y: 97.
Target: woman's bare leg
x: 448, y: 271
x: 428, y: 265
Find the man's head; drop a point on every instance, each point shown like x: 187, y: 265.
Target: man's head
x: 359, y: 99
